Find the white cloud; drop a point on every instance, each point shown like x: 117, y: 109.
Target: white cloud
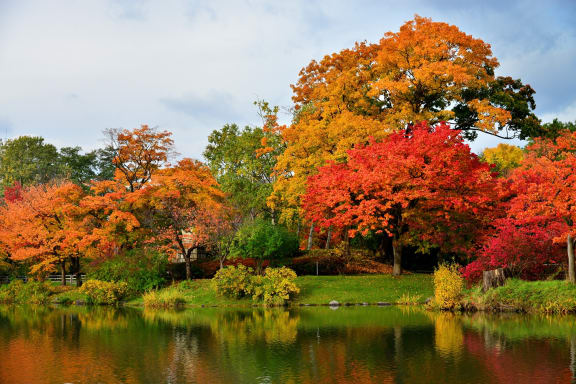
x: 71, y: 68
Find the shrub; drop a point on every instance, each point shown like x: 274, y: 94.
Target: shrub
x: 262, y: 240
x: 523, y: 250
x: 276, y: 287
x: 233, y: 281
x: 167, y: 298
x: 448, y: 286
x: 104, y: 292
x: 32, y: 292
x: 141, y: 269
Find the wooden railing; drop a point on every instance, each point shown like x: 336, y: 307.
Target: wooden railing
x: 70, y: 279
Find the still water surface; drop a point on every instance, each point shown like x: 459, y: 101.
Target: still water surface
x: 308, y: 345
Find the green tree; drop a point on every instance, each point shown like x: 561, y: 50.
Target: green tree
x: 81, y: 168
x: 261, y: 241
x: 556, y: 128
x: 244, y: 175
x: 28, y: 160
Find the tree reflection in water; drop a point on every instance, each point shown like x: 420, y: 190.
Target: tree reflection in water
x: 307, y: 345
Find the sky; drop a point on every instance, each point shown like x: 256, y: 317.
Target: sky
x: 71, y: 68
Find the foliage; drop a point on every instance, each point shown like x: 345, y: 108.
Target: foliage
x: 185, y: 205
x: 556, y: 128
x: 233, y: 281
x: 142, y: 269
x: 243, y: 174
x: 505, y: 157
x: 166, y: 298
x: 83, y: 168
x: 138, y: 153
x: 28, y: 160
x: 276, y: 287
x: 522, y: 248
x: 32, y: 292
x: 44, y: 226
x: 448, y: 286
x: 422, y: 187
x: 428, y: 71
x: 337, y: 261
x: 105, y: 292
x: 263, y: 241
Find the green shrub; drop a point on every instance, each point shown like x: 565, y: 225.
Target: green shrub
x: 233, y: 281
x: 448, y: 286
x: 141, y: 269
x: 104, y: 292
x: 166, y: 298
x: 261, y: 240
x: 32, y: 292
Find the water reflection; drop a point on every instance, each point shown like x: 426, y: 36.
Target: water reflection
x: 308, y: 345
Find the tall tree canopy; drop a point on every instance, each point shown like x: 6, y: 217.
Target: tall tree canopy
x: 243, y: 174
x: 28, y: 160
x: 421, y: 186
x: 185, y: 204
x: 542, y: 189
x: 138, y: 153
x: 428, y: 71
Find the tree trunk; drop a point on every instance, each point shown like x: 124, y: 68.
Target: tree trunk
x: 570, y: 245
x: 328, y: 237
x: 188, y: 264
x: 78, y: 274
x: 493, y: 279
x: 310, y: 237
x: 397, y: 251
x: 63, y: 272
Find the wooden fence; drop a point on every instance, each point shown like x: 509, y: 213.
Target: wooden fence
x: 70, y: 279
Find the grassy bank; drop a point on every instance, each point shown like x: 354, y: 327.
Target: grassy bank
x: 323, y: 289
x: 525, y: 296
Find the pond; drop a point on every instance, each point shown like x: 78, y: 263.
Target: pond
x: 304, y: 345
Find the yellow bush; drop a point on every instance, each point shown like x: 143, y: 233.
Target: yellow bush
x: 104, y: 292
x: 167, y: 298
x: 233, y: 281
x: 448, y: 286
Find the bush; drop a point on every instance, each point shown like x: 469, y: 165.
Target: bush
x: 141, y: 269
x: 262, y: 240
x: 104, y: 292
x: 275, y: 287
x: 167, y: 298
x: 32, y: 292
x: 448, y: 286
x: 233, y: 281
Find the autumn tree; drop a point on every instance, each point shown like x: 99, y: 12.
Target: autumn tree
x: 504, y: 157
x: 184, y: 202
x: 543, y: 187
x: 427, y: 71
x: 421, y: 186
x: 43, y: 226
x: 138, y: 153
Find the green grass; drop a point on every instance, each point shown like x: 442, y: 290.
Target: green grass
x: 527, y: 296
x: 321, y: 290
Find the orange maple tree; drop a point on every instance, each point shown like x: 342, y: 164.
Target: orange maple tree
x: 421, y: 186
x: 44, y: 226
x: 139, y: 153
x: 186, y: 203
